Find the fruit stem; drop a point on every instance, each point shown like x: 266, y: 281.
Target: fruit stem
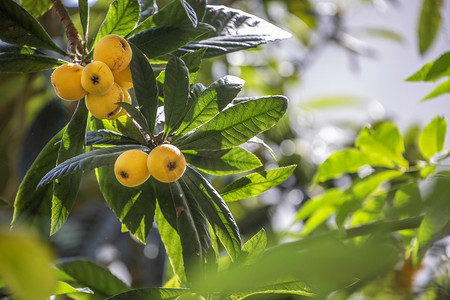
x: 74, y: 40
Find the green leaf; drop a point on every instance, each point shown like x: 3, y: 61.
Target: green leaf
x: 121, y: 18
x: 27, y: 63
x: 255, y: 183
x: 442, y: 88
x: 18, y: 27
x: 88, y: 161
x: 214, y: 209
x: 83, y: 8
x: 190, y: 12
x: 408, y: 201
x: 236, y: 124
x: 331, y: 198
x: 254, y: 248
x: 25, y: 266
x: 385, y: 141
x: 155, y: 293
x: 210, y: 102
x: 223, y: 162
x: 36, y: 7
x: 176, y: 93
x: 32, y: 205
x: 160, y: 40
x: 145, y: 87
x: 107, y: 137
x: 136, y: 115
x: 65, y: 189
x: 64, y: 288
x: 431, y: 139
x: 124, y: 125
x: 99, y: 279
x: 429, y: 23
x: 433, y: 70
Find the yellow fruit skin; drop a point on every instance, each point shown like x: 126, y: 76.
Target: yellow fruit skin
x: 66, y: 81
x: 166, y: 163
x: 130, y: 168
x: 104, y: 106
x: 126, y: 99
x: 97, y: 78
x: 123, y: 78
x: 114, y: 51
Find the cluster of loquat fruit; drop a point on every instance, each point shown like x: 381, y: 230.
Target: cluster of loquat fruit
x: 103, y: 82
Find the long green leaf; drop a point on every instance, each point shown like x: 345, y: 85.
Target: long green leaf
x: 87, y: 161
x: 215, y: 210
x: 136, y: 115
x: 107, y: 137
x: 156, y: 293
x: 431, y: 139
x: 255, y: 183
x: 145, y: 86
x: 83, y: 8
x: 36, y: 7
x: 65, y: 189
x: 433, y: 70
x: 99, y: 279
x: 223, y: 162
x: 27, y: 63
x: 236, y: 124
x: 121, y: 18
x: 33, y: 204
x: 19, y: 27
x: 429, y: 23
x: 253, y: 249
x: 212, y: 100
x: 176, y: 93
x: 443, y: 88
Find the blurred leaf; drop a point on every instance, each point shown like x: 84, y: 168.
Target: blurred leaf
x: 384, y: 141
x: 331, y: 197
x: 155, y: 293
x: 176, y: 93
x: 431, y: 139
x: 25, y: 266
x: 18, y: 27
x: 27, y: 63
x: 107, y: 137
x: 145, y: 87
x: 65, y: 189
x: 442, y: 88
x: 259, y: 141
x: 382, y: 33
x: 275, y: 291
x: 408, y: 201
x: 136, y: 115
x: 210, y: 102
x: 4, y: 202
x: 88, y: 161
x: 65, y: 288
x: 429, y: 23
x: 36, y: 7
x: 304, y: 10
x: 254, y: 248
x: 215, y: 210
x: 236, y: 124
x: 433, y: 70
x: 83, y: 8
x: 222, y: 162
x: 97, y: 278
x: 33, y: 204
x: 121, y: 18
x: 332, y: 101
x: 255, y: 183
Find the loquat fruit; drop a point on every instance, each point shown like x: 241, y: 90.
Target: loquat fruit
x: 123, y: 78
x: 166, y: 163
x: 66, y: 81
x: 104, y: 106
x: 114, y: 51
x: 130, y: 168
x: 97, y: 78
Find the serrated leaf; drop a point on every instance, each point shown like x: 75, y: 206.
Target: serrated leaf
x: 155, y: 293
x: 431, y: 139
x: 442, y: 88
x: 65, y: 189
x: 107, y: 137
x: 433, y: 70
x: 36, y: 7
x: 176, y: 93
x: 223, y: 162
x: 97, y: 278
x: 26, y: 63
x: 33, y: 204
x: 236, y: 124
x: 215, y: 210
x: 136, y: 115
x: 121, y: 18
x: 83, y: 8
x: 145, y: 86
x: 160, y: 40
x: 210, y: 102
x: 255, y: 183
x: 429, y: 23
x: 87, y: 161
x: 19, y: 27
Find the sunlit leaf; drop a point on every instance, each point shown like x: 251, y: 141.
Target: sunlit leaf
x: 433, y: 70
x: 36, y: 7
x: 443, y: 88
x: 253, y: 249
x: 156, y: 293
x: 431, y: 139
